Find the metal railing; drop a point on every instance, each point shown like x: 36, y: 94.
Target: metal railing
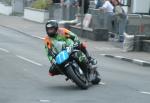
x: 6, y: 2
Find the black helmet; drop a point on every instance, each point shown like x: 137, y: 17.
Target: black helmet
x: 51, y: 24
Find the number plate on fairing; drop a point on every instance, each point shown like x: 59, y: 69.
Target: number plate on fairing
x: 61, y: 57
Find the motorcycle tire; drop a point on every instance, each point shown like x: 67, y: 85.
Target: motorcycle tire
x: 83, y: 84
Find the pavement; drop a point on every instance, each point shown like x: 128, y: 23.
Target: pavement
x: 110, y: 49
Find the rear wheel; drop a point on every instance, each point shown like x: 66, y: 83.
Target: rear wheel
x: 79, y: 79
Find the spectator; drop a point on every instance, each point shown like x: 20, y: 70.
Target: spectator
x: 98, y: 3
x: 69, y: 9
x: 68, y: 2
x: 121, y: 19
x: 86, y: 5
x: 108, y: 7
x: 56, y: 1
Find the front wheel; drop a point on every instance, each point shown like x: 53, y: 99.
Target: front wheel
x: 81, y: 82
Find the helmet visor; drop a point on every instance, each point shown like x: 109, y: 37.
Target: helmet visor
x: 51, y: 30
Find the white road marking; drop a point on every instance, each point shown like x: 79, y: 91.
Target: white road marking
x: 31, y: 61
x: 45, y: 101
x: 4, y: 50
x: 137, y: 60
x: 140, y: 61
x: 102, y: 54
x: 38, y: 37
x: 102, y: 83
x: 119, y: 56
x: 148, y: 93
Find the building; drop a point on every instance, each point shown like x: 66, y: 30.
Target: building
x: 137, y: 6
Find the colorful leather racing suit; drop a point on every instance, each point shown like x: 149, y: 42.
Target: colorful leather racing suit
x: 63, y: 38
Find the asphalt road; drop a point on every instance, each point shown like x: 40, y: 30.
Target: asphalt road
x: 24, y: 76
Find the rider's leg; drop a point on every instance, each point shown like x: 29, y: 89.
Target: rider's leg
x: 53, y: 70
x: 91, y: 60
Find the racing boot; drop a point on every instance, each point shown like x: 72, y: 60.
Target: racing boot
x: 94, y: 75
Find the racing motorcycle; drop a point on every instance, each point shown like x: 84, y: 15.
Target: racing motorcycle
x: 65, y: 63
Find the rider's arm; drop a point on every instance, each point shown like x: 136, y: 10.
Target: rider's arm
x: 69, y: 34
x: 48, y: 53
x: 73, y: 36
x: 48, y: 48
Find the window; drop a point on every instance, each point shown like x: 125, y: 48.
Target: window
x: 126, y: 2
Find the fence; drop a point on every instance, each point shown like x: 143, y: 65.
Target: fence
x: 7, y: 2
x: 62, y: 12
x: 138, y: 24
